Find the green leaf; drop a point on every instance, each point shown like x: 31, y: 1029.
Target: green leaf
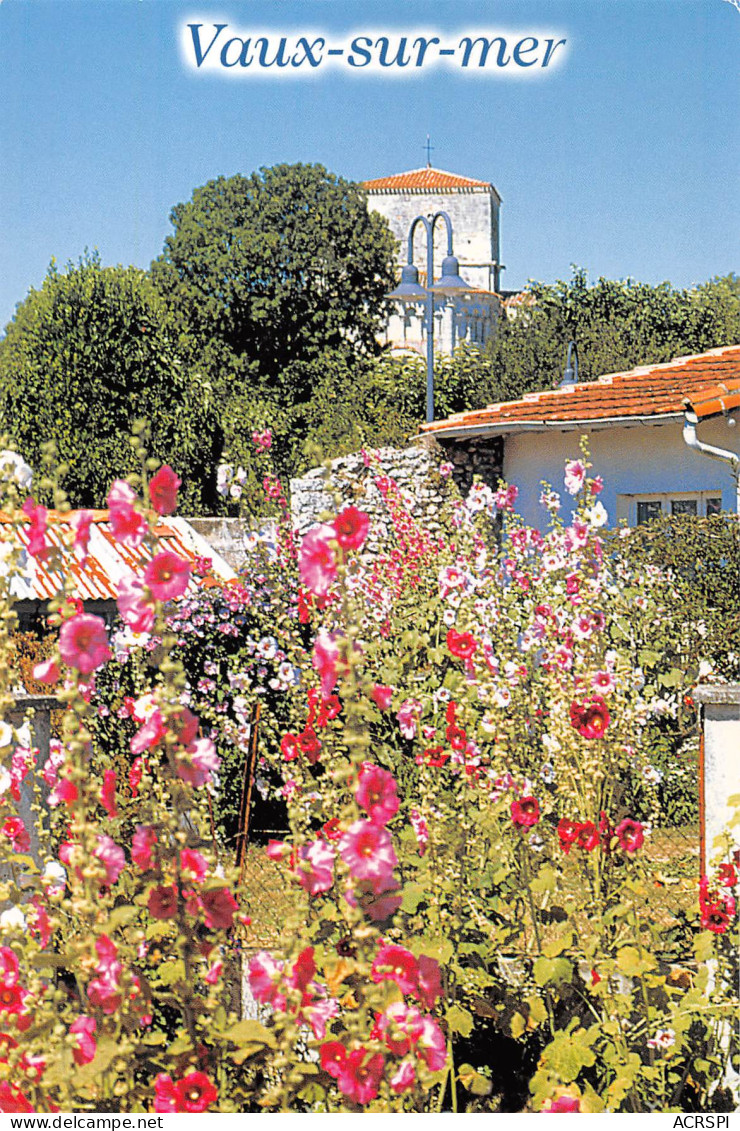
x: 545, y: 880
x: 413, y: 895
x: 552, y: 970
x: 459, y: 1020
x: 474, y: 1081
x: 518, y: 1025
x: 252, y: 1032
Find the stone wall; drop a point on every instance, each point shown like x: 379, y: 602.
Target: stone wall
x: 228, y: 536
x: 416, y: 471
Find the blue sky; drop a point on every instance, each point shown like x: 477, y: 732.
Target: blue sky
x: 624, y: 160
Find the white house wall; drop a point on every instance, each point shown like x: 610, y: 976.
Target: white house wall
x: 639, y: 460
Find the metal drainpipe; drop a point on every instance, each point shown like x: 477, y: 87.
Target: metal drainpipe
x: 690, y: 437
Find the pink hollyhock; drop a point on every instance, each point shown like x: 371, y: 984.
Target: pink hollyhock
x: 561, y: 1104
x: 22, y: 762
x: 136, y: 611
x: 213, y: 973
x: 277, y: 850
x: 262, y: 440
x: 53, y: 763
x: 591, y: 718
x: 142, y: 846
x: 219, y: 906
x: 47, y: 672
x: 84, y: 1030
x: 163, y: 490
x: 111, y: 857
x: 317, y: 563
x: 429, y: 981
x: 401, y: 1025
x: 421, y: 828
x: 630, y: 834
x: 461, y: 644
x: 108, y: 793
x: 408, y: 717
x: 166, y: 1097
x: 40, y: 923
x: 81, y: 522
x: 727, y: 876
x: 525, y: 812
x: 333, y: 1057
x: 432, y: 1045
x: 194, y: 864
x: 382, y: 696
x: 376, y: 793
x: 325, y: 657
x: 367, y: 850
x: 203, y: 763
x: 150, y: 734
x: 83, y: 643
x: 8, y: 966
x: 567, y: 833
x: 379, y: 898
x: 319, y: 1013
x: 603, y: 682
x: 163, y: 902
x: 265, y: 974
x: 404, y: 1078
x: 575, y: 474
x: 167, y: 575
x: 350, y: 528
x: 360, y: 1075
x: 64, y: 792
x: 135, y: 775
x: 17, y: 833
x: 37, y: 544
x: 596, y: 486
x: 127, y: 524
x: 315, y: 873
x: 396, y: 964
x: 289, y: 747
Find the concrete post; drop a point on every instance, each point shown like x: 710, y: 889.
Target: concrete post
x: 35, y: 733
x: 719, y: 763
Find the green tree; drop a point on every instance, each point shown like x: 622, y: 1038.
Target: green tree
x: 84, y: 357
x: 276, y: 269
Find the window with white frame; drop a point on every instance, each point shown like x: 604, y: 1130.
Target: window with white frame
x: 639, y: 509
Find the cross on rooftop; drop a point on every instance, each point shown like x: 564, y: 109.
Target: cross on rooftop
x: 429, y: 147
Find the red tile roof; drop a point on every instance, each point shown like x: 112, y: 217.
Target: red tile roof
x: 108, y: 559
x: 424, y: 180
x: 708, y: 382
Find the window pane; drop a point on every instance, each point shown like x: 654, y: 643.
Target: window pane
x: 647, y: 510
x: 714, y: 506
x: 683, y: 506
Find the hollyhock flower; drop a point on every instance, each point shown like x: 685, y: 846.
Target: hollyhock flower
x: 278, y: 850
x: 317, y: 564
x: 408, y: 717
x: 8, y: 966
x: 289, y: 747
x: 567, y: 833
x: 47, y: 672
x: 219, y: 906
x: 135, y: 775
x: 262, y: 440
x: 396, y: 964
x: 588, y: 836
x: 525, y: 812
x: 367, y: 850
x: 108, y: 793
x: 13, y: 1101
x: 727, y: 876
x: 315, y: 873
x: 575, y: 474
x: 193, y: 864
x: 379, y: 898
x: 127, y: 524
x: 83, y: 643
x: 16, y: 832
x: 163, y: 490
x: 136, y: 611
x: 505, y: 497
x: 64, y: 792
x: 461, y: 644
x: 319, y: 1013
x: 37, y: 544
x: 404, y: 1078
x: 596, y: 515
x: 333, y: 1056
x: 603, y: 682
x: 22, y: 762
x: 166, y: 1097
x: 204, y: 762
x: 360, y: 1075
x: 84, y: 1031
x: 401, y: 1025
x: 162, y: 902
x: 663, y: 1039
x: 562, y: 1103
x: 265, y: 975
x: 382, y: 696
x: 421, y: 829
x: 350, y: 528
x: 213, y: 973
x: 150, y: 734
x: 591, y: 718
x: 40, y: 923
x: 325, y: 657
x: 432, y: 1045
x: 376, y: 793
x: 167, y: 575
x: 716, y: 915
x: 111, y: 857
x: 630, y: 834
x: 196, y: 1092
x: 429, y: 981
x: 142, y: 846
x: 81, y: 522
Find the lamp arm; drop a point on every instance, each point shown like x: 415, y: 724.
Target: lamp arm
x: 448, y: 225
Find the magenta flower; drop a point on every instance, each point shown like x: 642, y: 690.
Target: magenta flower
x: 127, y: 524
x: 360, y: 1075
x: 350, y: 528
x: 83, y: 643
x: 203, y: 763
x: 591, y: 718
x: 111, y: 857
x: 368, y: 852
x: 219, y: 906
x: 405, y: 1076
x: 376, y: 793
x: 142, y: 846
x: 316, y: 871
x: 317, y: 563
x: 81, y: 521
x: 136, y: 611
x: 47, y: 672
x: 630, y: 834
x: 325, y: 656
x: 382, y: 696
x: 432, y: 1045
x: 108, y: 793
x: 163, y: 902
x: 167, y: 575
x: 265, y: 974
x: 37, y: 544
x: 163, y: 490
x: 194, y: 864
x: 525, y: 812
x: 575, y: 474
x: 408, y: 717
x: 84, y: 1030
x: 396, y: 964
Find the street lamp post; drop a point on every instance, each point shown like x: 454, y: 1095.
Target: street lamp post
x: 450, y: 283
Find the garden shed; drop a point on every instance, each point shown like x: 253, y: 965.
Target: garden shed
x: 650, y: 431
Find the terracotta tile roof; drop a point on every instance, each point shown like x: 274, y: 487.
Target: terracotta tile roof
x: 708, y: 382
x: 424, y: 180
x: 107, y: 559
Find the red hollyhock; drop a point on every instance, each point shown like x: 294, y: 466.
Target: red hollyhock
x: 456, y: 737
x: 359, y: 1078
x: 461, y: 644
x: 588, y: 836
x: 396, y: 964
x: 630, y: 834
x: 163, y: 490
x: 727, y: 876
x: 219, y: 906
x: 591, y: 718
x: 567, y: 833
x: 525, y: 812
x: 163, y: 902
x: 351, y: 526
